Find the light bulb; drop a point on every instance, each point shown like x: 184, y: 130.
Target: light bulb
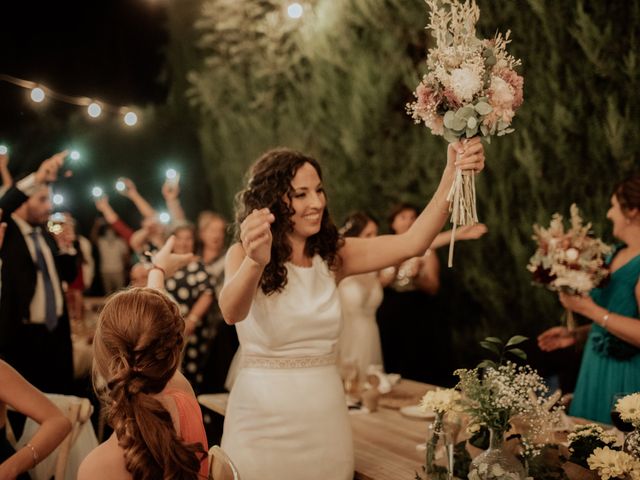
x: 120, y: 186
x: 3, y: 150
x: 96, y: 192
x: 58, y: 199
x: 130, y: 119
x: 295, y: 10
x: 171, y: 174
x: 164, y: 218
x: 74, y: 155
x: 37, y: 95
x: 94, y: 110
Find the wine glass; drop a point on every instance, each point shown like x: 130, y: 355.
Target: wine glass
x: 620, y: 424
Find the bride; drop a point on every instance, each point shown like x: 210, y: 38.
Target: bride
x: 287, y: 415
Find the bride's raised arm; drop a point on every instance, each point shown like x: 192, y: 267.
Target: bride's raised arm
x: 360, y: 255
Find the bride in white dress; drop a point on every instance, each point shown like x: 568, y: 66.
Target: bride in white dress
x: 287, y: 415
x: 361, y: 295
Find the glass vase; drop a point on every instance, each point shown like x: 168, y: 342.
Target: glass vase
x: 439, y: 451
x: 496, y: 463
x: 632, y: 444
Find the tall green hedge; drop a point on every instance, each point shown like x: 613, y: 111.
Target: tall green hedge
x: 335, y: 82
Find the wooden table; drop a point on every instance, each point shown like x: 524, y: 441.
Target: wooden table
x: 384, y: 441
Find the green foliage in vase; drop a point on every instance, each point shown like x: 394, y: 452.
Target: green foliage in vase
x: 501, y: 350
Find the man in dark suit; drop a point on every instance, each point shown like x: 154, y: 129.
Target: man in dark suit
x: 35, y: 336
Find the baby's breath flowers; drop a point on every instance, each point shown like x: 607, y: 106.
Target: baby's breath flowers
x: 496, y: 396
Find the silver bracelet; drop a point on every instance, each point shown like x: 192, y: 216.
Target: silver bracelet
x: 34, y: 454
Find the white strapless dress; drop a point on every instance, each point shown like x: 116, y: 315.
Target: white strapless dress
x: 359, y: 344
x: 287, y: 415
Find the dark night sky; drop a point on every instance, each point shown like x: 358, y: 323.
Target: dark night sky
x: 109, y: 49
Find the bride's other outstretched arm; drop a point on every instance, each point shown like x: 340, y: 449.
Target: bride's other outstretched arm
x: 360, y: 255
x: 244, y: 265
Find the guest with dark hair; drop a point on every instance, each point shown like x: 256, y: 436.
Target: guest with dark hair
x: 410, y: 312
x: 157, y: 423
x: 611, y: 358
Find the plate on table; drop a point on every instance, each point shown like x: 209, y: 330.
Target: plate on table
x: 415, y: 411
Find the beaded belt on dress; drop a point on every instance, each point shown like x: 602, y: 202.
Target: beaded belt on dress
x: 257, y: 361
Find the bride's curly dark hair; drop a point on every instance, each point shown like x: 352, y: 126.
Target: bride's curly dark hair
x: 268, y: 184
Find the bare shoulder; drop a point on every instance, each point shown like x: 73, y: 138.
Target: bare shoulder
x: 106, y: 461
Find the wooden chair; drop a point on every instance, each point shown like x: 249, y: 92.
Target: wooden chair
x: 78, y: 413
x: 220, y: 465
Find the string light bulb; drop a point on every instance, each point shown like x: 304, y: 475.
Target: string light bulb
x: 164, y: 218
x: 94, y: 110
x: 295, y: 10
x: 37, y: 94
x: 130, y: 119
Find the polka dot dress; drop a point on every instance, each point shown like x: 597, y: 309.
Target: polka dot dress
x: 185, y: 287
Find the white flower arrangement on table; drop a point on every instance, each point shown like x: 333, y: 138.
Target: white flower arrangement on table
x: 470, y: 89
x: 585, y: 439
x: 614, y: 464
x: 440, y: 400
x: 629, y: 409
x: 572, y: 260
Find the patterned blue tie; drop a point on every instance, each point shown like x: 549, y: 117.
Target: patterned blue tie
x: 51, y: 319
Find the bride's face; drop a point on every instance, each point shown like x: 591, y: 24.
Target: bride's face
x: 308, y: 201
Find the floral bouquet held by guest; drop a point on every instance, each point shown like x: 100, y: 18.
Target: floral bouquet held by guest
x: 569, y: 261
x: 470, y: 89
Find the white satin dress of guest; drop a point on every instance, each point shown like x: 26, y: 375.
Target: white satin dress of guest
x: 359, y: 344
x: 287, y: 415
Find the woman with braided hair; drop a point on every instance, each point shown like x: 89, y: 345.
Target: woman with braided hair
x: 157, y: 423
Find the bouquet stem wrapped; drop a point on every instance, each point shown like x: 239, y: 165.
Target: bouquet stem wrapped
x: 462, y: 198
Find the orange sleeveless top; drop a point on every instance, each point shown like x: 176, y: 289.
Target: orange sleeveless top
x: 191, y: 425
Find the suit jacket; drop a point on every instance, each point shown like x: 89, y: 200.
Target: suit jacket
x: 19, y: 273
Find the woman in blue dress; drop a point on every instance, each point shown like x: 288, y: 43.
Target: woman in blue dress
x: 611, y: 358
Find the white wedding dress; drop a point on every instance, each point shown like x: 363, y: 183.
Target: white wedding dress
x: 359, y: 344
x: 287, y: 415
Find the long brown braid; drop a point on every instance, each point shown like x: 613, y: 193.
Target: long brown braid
x: 137, y: 349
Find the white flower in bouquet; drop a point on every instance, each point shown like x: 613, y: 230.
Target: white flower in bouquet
x: 629, y: 409
x: 465, y: 83
x: 610, y: 463
x: 440, y: 400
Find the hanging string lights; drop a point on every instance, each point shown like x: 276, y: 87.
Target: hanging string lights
x: 39, y: 93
